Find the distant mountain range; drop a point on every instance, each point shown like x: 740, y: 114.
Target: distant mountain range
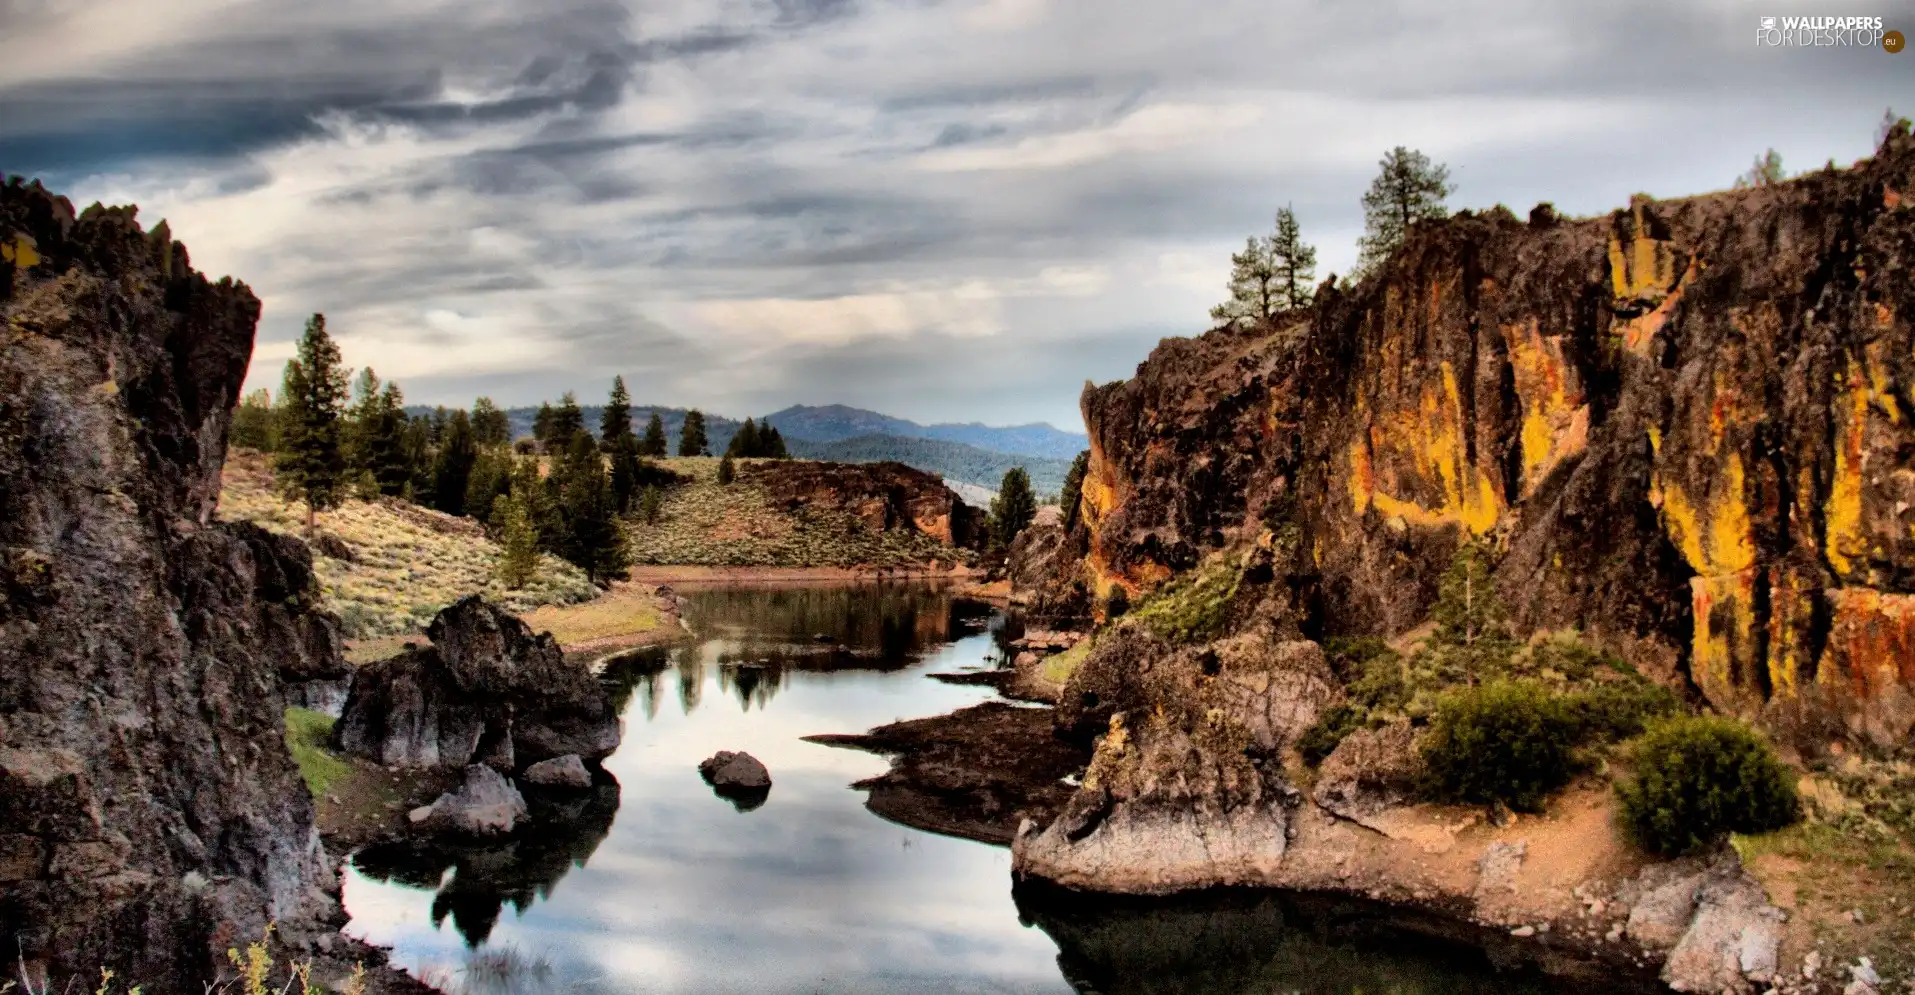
x: 973, y: 454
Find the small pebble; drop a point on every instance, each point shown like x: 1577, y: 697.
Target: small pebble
x: 1523, y: 931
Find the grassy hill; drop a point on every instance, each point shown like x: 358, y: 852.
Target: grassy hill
x: 837, y: 422
x: 407, y: 562
x: 950, y: 460
x: 705, y: 524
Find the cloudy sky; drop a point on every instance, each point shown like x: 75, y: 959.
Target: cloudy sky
x: 942, y: 209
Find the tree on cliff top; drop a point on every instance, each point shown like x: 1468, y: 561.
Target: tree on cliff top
x: 1767, y: 171
x: 1271, y: 275
x: 312, y: 461
x: 616, y: 420
x: 1014, y: 507
x: 654, y: 442
x: 691, y: 439
x: 1408, y: 188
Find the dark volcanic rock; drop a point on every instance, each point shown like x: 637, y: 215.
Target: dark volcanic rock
x: 562, y: 772
x: 486, y: 804
x: 884, y: 495
x: 1685, y: 424
x: 738, y: 778
x: 149, y: 811
x: 486, y: 690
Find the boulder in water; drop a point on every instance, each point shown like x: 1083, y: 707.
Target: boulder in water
x: 567, y: 771
x: 738, y: 778
x: 485, y: 805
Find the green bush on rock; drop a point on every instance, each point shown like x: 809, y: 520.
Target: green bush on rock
x: 1510, y: 741
x: 1701, y: 778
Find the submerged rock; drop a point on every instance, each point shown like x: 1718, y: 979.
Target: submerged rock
x: 147, y: 799
x: 562, y: 772
x: 487, y: 689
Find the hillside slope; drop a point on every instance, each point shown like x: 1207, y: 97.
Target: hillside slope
x: 836, y: 422
x: 1684, y: 426
x: 953, y: 461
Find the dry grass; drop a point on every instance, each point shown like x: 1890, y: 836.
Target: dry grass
x: 702, y: 523
x: 625, y: 610
x: 1846, y: 896
x: 408, y: 562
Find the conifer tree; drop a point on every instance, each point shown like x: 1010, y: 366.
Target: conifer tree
x: 650, y: 504
x: 519, y: 558
x: 385, y: 442
x: 592, y: 539
x: 567, y: 421
x: 1408, y: 188
x: 490, y: 426
x: 1014, y: 507
x: 744, y: 442
x: 626, y: 468
x: 452, y: 468
x: 772, y: 443
x: 491, y: 478
x: 312, y: 464
x: 1073, y: 494
x: 615, y: 422
x: 727, y: 471
x: 691, y: 438
x: 654, y: 442
x: 1766, y: 172
x: 531, y: 490
x: 255, y: 423
x: 542, y: 424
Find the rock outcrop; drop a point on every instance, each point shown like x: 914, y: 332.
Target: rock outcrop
x: 567, y: 771
x: 485, y: 804
x: 1686, y: 424
x: 883, y: 495
x: 149, y: 810
x: 486, y: 691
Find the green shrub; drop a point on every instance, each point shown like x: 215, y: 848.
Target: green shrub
x: 1701, y: 778
x: 1322, y: 738
x: 1192, y: 608
x: 1621, y: 709
x: 1509, y: 741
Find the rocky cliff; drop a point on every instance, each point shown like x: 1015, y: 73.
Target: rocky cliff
x: 882, y: 495
x: 1684, y: 426
x: 149, y: 812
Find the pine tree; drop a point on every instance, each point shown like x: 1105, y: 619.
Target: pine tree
x: 1767, y: 171
x: 542, y: 424
x: 312, y: 463
x: 1073, y: 494
x: 626, y: 468
x: 567, y: 421
x: 1014, y: 507
x: 491, y: 478
x: 592, y: 539
x: 519, y: 559
x: 773, y: 443
x: 615, y: 422
x: 691, y: 438
x: 534, y: 495
x: 490, y: 426
x: 416, y: 449
x: 452, y: 468
x: 1408, y: 188
x: 385, y: 440
x: 1295, y: 259
x: 727, y: 471
x: 744, y: 443
x: 255, y: 423
x: 650, y: 504
x: 654, y: 442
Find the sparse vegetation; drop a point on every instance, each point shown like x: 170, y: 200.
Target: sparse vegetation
x: 1193, y: 607
x: 408, y: 562
x: 1698, y: 779
x: 1767, y: 171
x: 306, y: 736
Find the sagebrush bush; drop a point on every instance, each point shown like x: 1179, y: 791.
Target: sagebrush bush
x: 1509, y: 741
x: 1700, y: 778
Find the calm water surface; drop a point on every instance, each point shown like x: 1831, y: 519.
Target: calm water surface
x: 652, y: 883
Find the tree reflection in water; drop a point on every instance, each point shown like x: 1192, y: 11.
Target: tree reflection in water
x: 1269, y: 943
x: 563, y: 830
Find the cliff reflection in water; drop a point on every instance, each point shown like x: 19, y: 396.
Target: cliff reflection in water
x: 565, y: 829
x: 1267, y: 943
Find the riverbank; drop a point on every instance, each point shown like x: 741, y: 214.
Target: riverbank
x: 691, y: 576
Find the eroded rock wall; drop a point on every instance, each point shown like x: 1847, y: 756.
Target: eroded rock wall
x: 883, y: 495
x: 150, y: 814
x: 1684, y: 424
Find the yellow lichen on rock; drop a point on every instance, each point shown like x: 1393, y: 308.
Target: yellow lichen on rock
x: 1555, y: 419
x: 1645, y: 268
x: 1420, y: 452
x: 20, y: 250
x: 1724, y: 651
x: 1842, y: 511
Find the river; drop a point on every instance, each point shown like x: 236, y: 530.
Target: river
x: 653, y: 883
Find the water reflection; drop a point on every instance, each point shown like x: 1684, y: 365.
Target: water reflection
x: 1262, y: 943
x: 472, y: 882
